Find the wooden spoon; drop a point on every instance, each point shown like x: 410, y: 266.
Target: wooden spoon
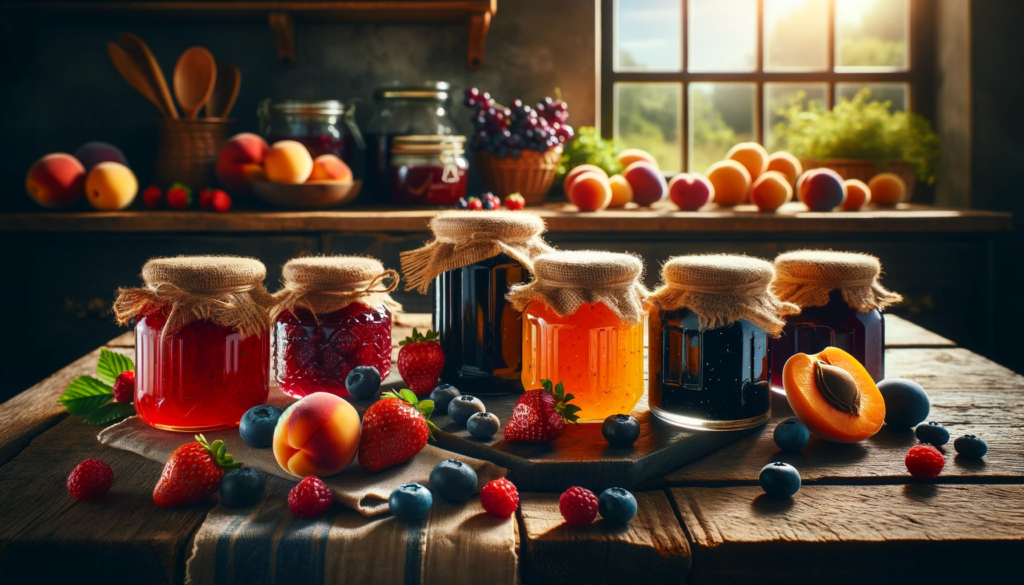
x: 147, y: 63
x: 195, y: 74
x: 225, y: 91
x: 135, y: 78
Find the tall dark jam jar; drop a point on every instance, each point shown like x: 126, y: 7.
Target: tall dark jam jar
x: 324, y: 127
x: 473, y: 260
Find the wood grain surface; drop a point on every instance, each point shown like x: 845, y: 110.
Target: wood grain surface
x: 952, y: 368
x: 902, y: 333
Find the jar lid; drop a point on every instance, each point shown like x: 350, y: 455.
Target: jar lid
x: 204, y: 274
x: 324, y: 284
x: 806, y: 277
x: 429, y: 144
x: 428, y: 91
x: 325, y: 107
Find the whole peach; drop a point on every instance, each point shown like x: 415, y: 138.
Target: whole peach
x: 822, y: 190
x: 591, y: 192
x: 770, y: 191
x: 632, y: 155
x: 318, y: 435
x: 622, y: 192
x: 751, y: 155
x: 857, y: 194
x: 56, y: 180
x: 111, y: 186
x: 239, y: 161
x: 570, y: 178
x: 887, y: 189
x: 691, y: 191
x: 91, y: 154
x: 731, y: 181
x: 785, y: 163
x: 648, y: 183
x: 328, y: 167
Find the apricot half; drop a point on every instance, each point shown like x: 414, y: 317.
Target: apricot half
x: 833, y: 395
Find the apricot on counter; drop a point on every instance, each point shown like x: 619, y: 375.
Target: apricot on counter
x: 648, y: 183
x: 622, y: 192
x: 91, y: 154
x: 752, y: 156
x: 111, y: 186
x: 239, y: 161
x: 288, y: 162
x: 833, y: 395
x: 785, y: 163
x: 821, y: 189
x: 56, y: 180
x: 328, y: 167
x: 591, y: 191
x: 690, y: 191
x: 887, y: 189
x: 770, y: 191
x: 857, y: 195
x: 731, y: 181
x: 632, y: 155
x: 576, y: 171
x: 318, y: 435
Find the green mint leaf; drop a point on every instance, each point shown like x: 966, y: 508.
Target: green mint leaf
x: 408, y: 395
x: 111, y: 365
x: 85, y: 394
x: 426, y: 408
x: 109, y: 413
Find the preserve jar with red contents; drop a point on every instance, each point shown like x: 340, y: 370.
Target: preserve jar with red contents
x: 428, y: 170
x: 324, y: 127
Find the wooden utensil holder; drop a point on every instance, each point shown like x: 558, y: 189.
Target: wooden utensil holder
x: 188, y: 150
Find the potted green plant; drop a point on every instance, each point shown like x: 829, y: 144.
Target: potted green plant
x: 859, y: 138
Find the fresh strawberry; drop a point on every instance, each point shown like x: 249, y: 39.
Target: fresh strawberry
x: 420, y: 361
x: 578, y: 506
x: 90, y: 480
x: 499, y: 498
x: 124, y: 387
x: 192, y: 473
x: 152, y: 197
x: 395, y: 428
x: 310, y: 498
x: 539, y: 416
x: 206, y: 199
x: 515, y: 202
x: 179, y: 196
x: 221, y: 201
x: 474, y: 204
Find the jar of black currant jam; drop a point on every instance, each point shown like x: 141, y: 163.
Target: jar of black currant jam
x: 475, y: 257
x: 841, y: 304
x: 709, y: 361
x: 428, y: 170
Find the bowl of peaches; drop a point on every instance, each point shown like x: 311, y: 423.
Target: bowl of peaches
x: 285, y: 174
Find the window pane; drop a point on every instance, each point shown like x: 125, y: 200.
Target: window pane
x: 781, y: 96
x: 648, y: 35
x: 722, y: 35
x: 647, y: 116
x: 721, y: 114
x: 880, y: 92
x: 795, y: 35
x: 872, y: 34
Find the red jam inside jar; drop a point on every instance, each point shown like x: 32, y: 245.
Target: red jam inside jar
x: 202, y: 377
x: 312, y: 356
x: 428, y: 170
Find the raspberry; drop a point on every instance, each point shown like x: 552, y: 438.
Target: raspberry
x: 152, y: 196
x: 206, y: 198
x: 578, y: 506
x: 124, y: 387
x: 500, y: 498
x: 221, y: 201
x: 90, y: 480
x: 924, y: 462
x: 310, y: 498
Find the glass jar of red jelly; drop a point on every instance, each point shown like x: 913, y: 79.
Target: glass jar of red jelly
x: 202, y: 341
x: 333, y: 315
x: 324, y: 127
x: 428, y: 170
x: 841, y: 304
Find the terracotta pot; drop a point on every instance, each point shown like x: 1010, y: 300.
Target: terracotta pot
x: 188, y: 150
x: 865, y: 169
x: 531, y: 175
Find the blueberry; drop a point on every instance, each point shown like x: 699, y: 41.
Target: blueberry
x: 483, y: 425
x: 488, y: 204
x: 243, y: 487
x: 462, y: 203
x: 453, y: 480
x: 257, y: 426
x: 463, y: 407
x: 616, y: 505
x: 970, y: 447
x: 779, y: 480
x: 791, y: 435
x: 363, y: 382
x: 443, y: 395
x: 620, y: 430
x: 410, y: 502
x: 906, y: 402
x: 932, y: 433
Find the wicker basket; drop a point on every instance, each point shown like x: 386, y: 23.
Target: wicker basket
x: 188, y: 150
x: 865, y: 169
x: 531, y: 175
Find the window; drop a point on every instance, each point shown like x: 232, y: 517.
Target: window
x: 687, y: 79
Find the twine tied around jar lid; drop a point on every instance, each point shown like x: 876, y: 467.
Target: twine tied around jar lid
x: 462, y: 238
x: 227, y: 290
x: 806, y: 277
x: 721, y: 289
x: 324, y: 284
x: 564, y: 281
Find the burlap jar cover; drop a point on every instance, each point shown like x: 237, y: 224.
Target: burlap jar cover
x: 462, y: 238
x: 722, y: 289
x: 326, y: 284
x: 806, y: 278
x: 564, y: 281
x: 224, y: 289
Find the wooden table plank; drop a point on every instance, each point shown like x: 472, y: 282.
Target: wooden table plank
x: 838, y: 534
x: 900, y: 332
x: 953, y: 368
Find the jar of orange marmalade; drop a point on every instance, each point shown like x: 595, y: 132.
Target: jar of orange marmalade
x: 583, y: 317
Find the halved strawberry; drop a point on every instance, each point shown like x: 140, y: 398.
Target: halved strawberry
x: 395, y: 428
x: 539, y: 416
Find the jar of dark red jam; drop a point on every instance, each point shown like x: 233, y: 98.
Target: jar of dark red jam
x: 323, y: 127
x: 428, y: 170
x: 841, y: 306
x: 333, y: 315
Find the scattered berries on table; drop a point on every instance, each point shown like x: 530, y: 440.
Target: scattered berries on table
x: 362, y: 382
x: 924, y: 462
x: 124, y: 387
x: 970, y: 447
x: 906, y: 402
x: 461, y: 204
x: 499, y: 498
x: 206, y: 199
x: 539, y: 416
x: 152, y: 196
x: 932, y: 433
x: 474, y: 204
x: 221, y: 202
x: 179, y: 196
x: 90, y: 480
x: 779, y: 480
x: 442, y: 395
x: 464, y: 406
x: 515, y: 202
x: 616, y: 505
x: 193, y: 473
x: 243, y: 487
x: 483, y: 425
x: 620, y: 430
x: 578, y: 506
x: 310, y: 498
x: 395, y: 428
x: 453, y: 481
x: 791, y: 435
x: 258, y: 424
x: 410, y: 502
x: 488, y: 202
x: 420, y: 361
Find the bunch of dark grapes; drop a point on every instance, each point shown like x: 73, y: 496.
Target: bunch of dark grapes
x: 508, y: 131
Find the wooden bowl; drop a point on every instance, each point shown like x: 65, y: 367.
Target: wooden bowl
x: 315, y: 195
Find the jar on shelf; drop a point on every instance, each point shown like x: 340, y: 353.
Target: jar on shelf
x: 583, y: 317
x: 709, y: 364
x: 841, y: 304
x: 333, y: 315
x: 428, y: 170
x: 324, y: 127
x: 473, y: 260
x: 402, y: 109
x: 202, y: 341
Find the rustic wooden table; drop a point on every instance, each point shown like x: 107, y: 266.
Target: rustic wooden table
x: 859, y: 515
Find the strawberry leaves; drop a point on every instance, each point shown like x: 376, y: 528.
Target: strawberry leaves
x: 418, y: 337
x: 562, y: 406
x: 425, y: 407
x: 88, y: 396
